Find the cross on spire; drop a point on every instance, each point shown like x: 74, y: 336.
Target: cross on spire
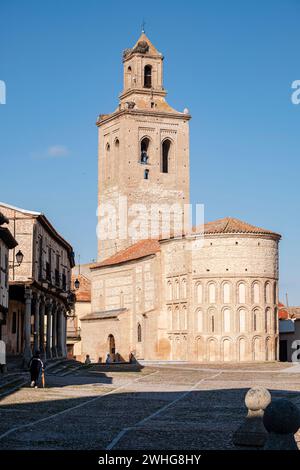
x: 143, y: 26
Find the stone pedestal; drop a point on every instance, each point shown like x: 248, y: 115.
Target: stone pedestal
x: 252, y: 432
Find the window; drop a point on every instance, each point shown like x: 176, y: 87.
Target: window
x: 139, y: 333
x: 255, y: 320
x: 256, y: 293
x: 117, y: 142
x: 212, y: 293
x: 242, y: 293
x: 242, y: 320
x: 107, y: 147
x: 212, y: 323
x: 144, y: 150
x: 40, y: 258
x: 199, y: 293
x: 176, y: 289
x: 148, y: 76
x: 170, y: 288
x: 146, y: 174
x: 183, y: 288
x: 199, y: 321
x: 268, y: 293
x: 226, y: 293
x: 166, y: 145
x: 226, y: 320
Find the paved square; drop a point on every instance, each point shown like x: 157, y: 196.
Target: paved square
x: 162, y: 406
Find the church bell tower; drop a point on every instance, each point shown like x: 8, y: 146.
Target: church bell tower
x: 143, y: 148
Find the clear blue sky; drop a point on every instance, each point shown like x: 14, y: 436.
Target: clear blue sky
x: 230, y: 62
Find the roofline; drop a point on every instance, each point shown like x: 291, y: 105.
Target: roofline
x: 47, y: 225
x: 100, y: 265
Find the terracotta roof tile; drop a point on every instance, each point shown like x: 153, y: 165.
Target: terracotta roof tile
x: 139, y: 250
x: 231, y: 225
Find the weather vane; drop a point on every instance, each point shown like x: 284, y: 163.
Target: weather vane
x: 143, y: 26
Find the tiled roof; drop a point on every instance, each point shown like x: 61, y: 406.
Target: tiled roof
x: 283, y: 314
x: 231, y: 225
x: 103, y: 315
x: 139, y: 250
x: 83, y: 294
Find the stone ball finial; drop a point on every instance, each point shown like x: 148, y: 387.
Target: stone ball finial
x: 186, y: 111
x: 282, y: 417
x: 257, y: 398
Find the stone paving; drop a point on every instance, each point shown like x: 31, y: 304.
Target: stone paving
x: 162, y: 406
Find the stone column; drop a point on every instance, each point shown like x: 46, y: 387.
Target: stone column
x: 27, y: 327
x: 42, y: 328
x: 65, y: 334
x: 36, y: 323
x: 54, y: 331
x: 49, y: 306
x: 60, y: 332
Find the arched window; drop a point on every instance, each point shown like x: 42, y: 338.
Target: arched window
x: 183, y: 319
x: 148, y: 76
x: 267, y: 293
x: 166, y: 145
x: 199, y: 321
x: 242, y: 293
x: 144, y: 150
x: 117, y: 142
x: 242, y: 320
x: 183, y: 289
x: 226, y: 320
x: 256, y: 295
x: 170, y: 289
x: 107, y: 147
x: 139, y: 333
x: 226, y: 292
x: 212, y: 293
x: 199, y: 293
x: 212, y: 323
x: 176, y: 289
x: 255, y: 320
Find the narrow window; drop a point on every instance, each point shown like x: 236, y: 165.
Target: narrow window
x: 148, y: 76
x: 146, y: 174
x: 144, y: 150
x: 139, y: 333
x: 165, y: 155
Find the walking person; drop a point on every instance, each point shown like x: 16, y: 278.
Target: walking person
x: 36, y: 366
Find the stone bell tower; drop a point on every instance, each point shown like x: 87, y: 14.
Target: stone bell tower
x: 143, y: 152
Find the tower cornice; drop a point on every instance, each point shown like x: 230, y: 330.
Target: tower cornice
x: 107, y: 118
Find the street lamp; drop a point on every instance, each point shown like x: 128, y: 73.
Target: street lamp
x: 19, y: 259
x: 76, y: 284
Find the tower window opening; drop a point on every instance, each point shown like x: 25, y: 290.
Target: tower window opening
x: 148, y: 76
x: 146, y: 174
x: 144, y: 150
x: 166, y: 145
x: 139, y: 333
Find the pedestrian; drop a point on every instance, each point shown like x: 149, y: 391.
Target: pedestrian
x: 36, y: 366
x: 108, y: 359
x: 87, y: 360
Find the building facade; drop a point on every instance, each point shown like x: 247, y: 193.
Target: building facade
x: 210, y: 295
x: 39, y: 288
x: 7, y: 242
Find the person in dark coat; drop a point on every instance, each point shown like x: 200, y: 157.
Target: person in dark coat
x: 36, y: 365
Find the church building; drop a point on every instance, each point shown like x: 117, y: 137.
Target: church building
x: 169, y: 297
